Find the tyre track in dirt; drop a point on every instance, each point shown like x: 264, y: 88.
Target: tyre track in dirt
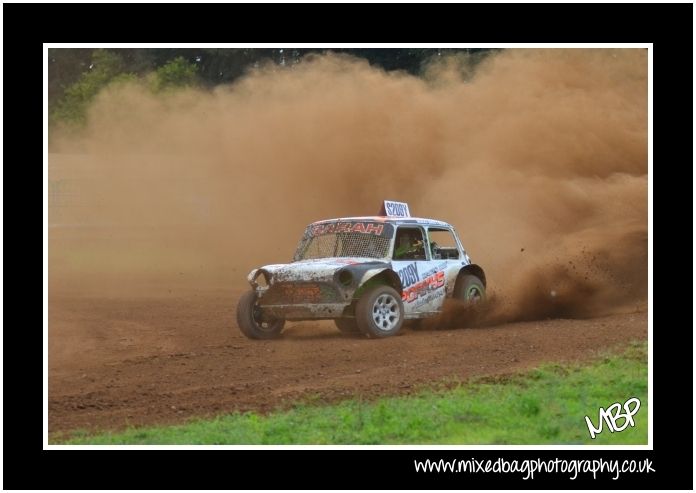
x: 118, y: 362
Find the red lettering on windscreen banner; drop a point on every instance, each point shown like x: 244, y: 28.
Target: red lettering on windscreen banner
x: 367, y: 228
x: 358, y: 228
x: 374, y: 228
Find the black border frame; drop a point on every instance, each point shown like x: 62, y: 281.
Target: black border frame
x: 668, y: 26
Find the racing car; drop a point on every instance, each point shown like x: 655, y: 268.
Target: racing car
x: 368, y: 274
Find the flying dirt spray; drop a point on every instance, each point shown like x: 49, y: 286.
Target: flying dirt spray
x: 538, y: 158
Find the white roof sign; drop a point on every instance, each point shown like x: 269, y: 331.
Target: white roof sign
x: 396, y: 209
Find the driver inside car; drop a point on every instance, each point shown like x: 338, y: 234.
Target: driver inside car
x: 409, y: 248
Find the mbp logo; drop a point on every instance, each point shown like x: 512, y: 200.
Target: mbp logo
x: 613, y: 414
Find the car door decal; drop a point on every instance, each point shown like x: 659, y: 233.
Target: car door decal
x: 409, y: 275
x: 428, y: 287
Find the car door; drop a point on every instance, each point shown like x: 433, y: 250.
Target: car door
x: 447, y: 252
x: 423, y: 279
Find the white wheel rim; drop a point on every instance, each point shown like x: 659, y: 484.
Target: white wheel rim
x: 385, y: 312
x: 474, y: 294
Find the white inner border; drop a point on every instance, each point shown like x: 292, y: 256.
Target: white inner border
x: 651, y: 404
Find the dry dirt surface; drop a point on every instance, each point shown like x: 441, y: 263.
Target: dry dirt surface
x: 539, y: 158
x: 118, y: 362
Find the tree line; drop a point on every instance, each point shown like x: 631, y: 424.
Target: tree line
x: 76, y: 75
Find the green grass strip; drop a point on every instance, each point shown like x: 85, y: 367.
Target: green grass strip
x: 546, y: 405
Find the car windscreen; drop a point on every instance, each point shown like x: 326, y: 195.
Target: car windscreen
x: 345, y: 239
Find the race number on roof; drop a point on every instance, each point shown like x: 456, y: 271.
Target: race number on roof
x: 394, y: 209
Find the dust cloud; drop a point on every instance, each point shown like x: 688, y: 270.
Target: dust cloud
x: 537, y: 157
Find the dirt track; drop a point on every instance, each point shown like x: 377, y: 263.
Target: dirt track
x: 115, y: 362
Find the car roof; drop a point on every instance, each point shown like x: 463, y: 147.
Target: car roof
x: 391, y: 220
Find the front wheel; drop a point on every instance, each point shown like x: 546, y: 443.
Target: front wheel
x: 380, y: 312
x: 469, y: 288
x: 250, y: 321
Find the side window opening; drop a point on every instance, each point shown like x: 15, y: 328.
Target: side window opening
x: 408, y: 244
x: 443, y: 245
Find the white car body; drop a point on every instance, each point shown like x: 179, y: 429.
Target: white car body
x: 328, y: 287
x: 369, y: 274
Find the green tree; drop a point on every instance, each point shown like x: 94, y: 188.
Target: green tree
x: 173, y: 74
x: 65, y: 65
x: 72, y: 107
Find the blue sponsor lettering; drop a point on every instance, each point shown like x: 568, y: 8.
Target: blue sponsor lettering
x: 409, y: 275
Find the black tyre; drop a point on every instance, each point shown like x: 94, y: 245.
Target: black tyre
x: 250, y: 322
x: 380, y: 312
x: 347, y: 325
x: 469, y: 288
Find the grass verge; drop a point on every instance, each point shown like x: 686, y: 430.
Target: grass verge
x: 546, y: 405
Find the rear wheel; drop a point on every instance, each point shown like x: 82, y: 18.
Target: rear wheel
x: 251, y: 322
x: 347, y: 325
x: 469, y: 288
x: 380, y: 312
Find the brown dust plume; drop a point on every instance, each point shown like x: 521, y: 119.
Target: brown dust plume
x: 538, y: 158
